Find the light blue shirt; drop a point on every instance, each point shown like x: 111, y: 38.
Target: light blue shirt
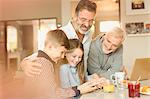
x: 71, y: 34
x: 69, y: 76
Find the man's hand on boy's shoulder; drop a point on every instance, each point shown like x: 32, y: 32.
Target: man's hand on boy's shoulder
x: 30, y: 68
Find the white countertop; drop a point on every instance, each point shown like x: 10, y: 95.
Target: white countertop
x: 118, y: 94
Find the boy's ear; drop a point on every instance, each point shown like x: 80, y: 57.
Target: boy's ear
x: 49, y: 45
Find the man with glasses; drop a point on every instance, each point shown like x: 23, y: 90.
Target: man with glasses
x: 79, y: 26
x: 105, y: 55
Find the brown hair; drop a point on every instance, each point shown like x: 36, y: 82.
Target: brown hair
x: 75, y: 43
x: 86, y: 4
x: 57, y: 37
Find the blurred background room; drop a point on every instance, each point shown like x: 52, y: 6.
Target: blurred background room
x: 23, y: 24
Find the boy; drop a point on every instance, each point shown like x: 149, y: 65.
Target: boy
x: 44, y: 85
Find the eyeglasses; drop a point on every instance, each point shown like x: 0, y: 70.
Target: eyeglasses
x: 86, y: 20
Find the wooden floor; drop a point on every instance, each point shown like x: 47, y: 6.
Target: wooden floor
x: 11, y: 87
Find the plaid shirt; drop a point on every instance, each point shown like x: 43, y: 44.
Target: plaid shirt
x: 44, y: 85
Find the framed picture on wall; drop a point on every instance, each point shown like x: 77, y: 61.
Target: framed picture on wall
x: 134, y: 28
x: 137, y: 7
x: 147, y: 27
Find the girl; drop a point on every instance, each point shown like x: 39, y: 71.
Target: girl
x: 72, y: 73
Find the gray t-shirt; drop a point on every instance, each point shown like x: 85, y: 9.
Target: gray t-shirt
x: 101, y: 63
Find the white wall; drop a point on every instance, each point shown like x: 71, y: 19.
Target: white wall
x: 65, y: 11
x: 132, y: 18
x: 134, y: 46
x: 28, y: 9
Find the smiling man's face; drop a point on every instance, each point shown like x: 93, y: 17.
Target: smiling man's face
x: 111, y: 43
x: 84, y: 21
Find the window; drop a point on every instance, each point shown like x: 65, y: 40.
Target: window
x: 11, y: 38
x: 45, y: 26
x: 107, y: 25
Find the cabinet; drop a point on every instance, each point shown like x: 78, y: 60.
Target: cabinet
x: 3, y: 50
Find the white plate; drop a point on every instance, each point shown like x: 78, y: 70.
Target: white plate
x: 144, y: 93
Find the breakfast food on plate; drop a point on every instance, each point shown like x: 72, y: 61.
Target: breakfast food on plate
x: 125, y: 82
x: 146, y: 89
x: 109, y: 88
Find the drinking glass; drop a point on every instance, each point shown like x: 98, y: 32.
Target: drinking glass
x: 134, y: 89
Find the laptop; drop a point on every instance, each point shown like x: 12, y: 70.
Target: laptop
x: 141, y: 68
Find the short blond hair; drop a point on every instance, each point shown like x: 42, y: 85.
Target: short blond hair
x: 57, y: 37
x: 117, y: 32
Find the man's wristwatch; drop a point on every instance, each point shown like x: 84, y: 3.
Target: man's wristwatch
x: 76, y: 91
